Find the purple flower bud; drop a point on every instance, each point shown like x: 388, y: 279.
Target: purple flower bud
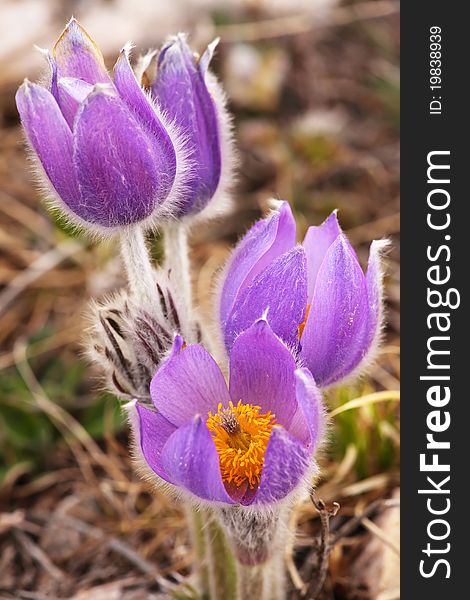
x: 315, y: 296
x: 190, y: 96
x: 250, y: 444
x: 108, y: 157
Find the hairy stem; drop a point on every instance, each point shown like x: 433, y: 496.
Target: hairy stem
x: 258, y: 539
x: 197, y: 520
x: 275, y: 575
x: 177, y: 259
x: 223, y: 572
x: 265, y: 581
x: 138, y: 266
x: 252, y: 582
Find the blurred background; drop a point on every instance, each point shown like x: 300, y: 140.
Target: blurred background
x: 314, y: 89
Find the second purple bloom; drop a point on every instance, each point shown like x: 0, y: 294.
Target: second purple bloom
x: 315, y: 296
x: 181, y: 90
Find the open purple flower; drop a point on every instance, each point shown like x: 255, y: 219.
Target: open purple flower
x: 316, y: 296
x: 250, y: 444
x: 102, y: 144
x: 183, y: 88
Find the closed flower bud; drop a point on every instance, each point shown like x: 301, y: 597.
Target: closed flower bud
x: 191, y: 97
x: 316, y: 297
x: 109, y: 159
x: 127, y: 339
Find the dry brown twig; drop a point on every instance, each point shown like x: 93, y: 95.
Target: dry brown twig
x: 312, y: 589
x: 327, y: 542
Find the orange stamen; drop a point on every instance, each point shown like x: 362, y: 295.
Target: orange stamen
x: 301, y: 327
x: 241, y: 434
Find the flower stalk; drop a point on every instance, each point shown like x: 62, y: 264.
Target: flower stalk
x: 197, y: 522
x: 223, y: 567
x: 177, y: 260
x: 138, y: 267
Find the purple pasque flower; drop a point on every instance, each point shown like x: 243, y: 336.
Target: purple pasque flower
x: 252, y: 443
x: 103, y: 146
x: 316, y: 296
x: 190, y: 96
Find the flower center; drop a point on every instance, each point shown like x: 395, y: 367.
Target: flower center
x: 301, y: 327
x: 241, y: 434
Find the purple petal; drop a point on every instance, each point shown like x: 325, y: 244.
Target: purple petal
x: 53, y: 72
x: 192, y: 462
x: 286, y: 462
x: 71, y: 93
x: 262, y: 373
x: 116, y: 163
x: 77, y: 55
x: 50, y: 137
x: 265, y: 241
x: 334, y: 331
x: 280, y: 291
x: 154, y: 431
x: 135, y: 98
x: 368, y: 341
x: 206, y: 58
x: 181, y: 91
x: 368, y: 336
x: 307, y: 424
x: 189, y: 382
x: 316, y: 243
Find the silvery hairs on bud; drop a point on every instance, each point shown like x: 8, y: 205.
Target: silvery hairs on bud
x: 128, y: 339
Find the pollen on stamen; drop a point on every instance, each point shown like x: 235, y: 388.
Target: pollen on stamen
x: 241, y: 434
